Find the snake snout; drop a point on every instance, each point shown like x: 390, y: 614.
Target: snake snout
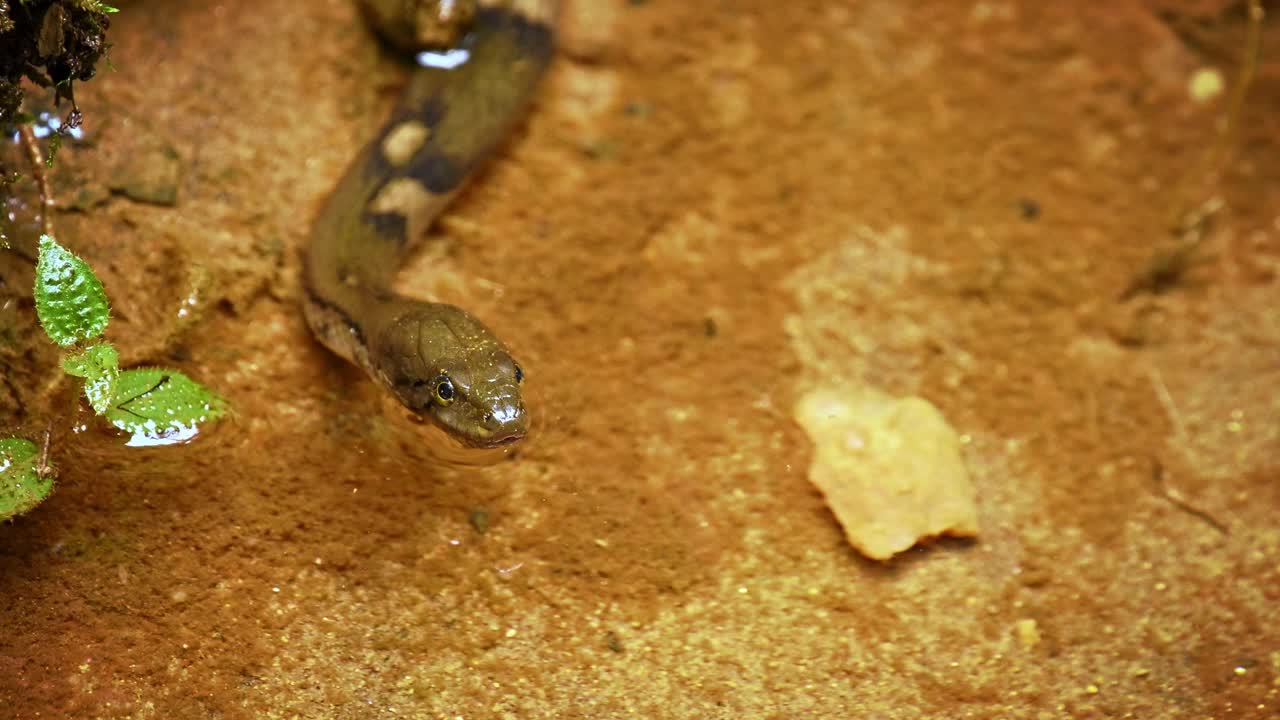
x: 506, y: 423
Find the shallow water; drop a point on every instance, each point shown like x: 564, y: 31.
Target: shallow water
x: 946, y: 199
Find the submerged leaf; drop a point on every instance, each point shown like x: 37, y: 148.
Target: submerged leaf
x: 99, y: 365
x: 162, y: 407
x: 22, y: 486
x: 70, y: 301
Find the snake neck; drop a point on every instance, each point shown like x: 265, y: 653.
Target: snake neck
x: 447, y: 122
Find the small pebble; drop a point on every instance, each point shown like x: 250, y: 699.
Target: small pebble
x: 1027, y: 632
x: 1205, y: 85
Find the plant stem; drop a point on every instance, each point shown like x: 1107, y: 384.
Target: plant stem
x: 1213, y: 160
x: 41, y: 176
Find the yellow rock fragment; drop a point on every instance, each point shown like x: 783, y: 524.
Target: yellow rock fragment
x: 890, y: 468
x: 1027, y: 632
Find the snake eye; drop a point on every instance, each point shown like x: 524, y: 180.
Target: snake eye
x: 519, y: 375
x: 444, y: 390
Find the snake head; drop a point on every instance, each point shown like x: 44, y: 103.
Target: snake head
x: 444, y: 364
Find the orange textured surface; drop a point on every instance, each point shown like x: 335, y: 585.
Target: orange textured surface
x: 989, y: 176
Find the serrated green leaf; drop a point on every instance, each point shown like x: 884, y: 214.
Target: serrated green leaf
x: 162, y: 407
x: 99, y: 365
x: 22, y: 486
x: 70, y: 301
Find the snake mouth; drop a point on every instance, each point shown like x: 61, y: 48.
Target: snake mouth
x: 462, y: 450
x: 488, y: 439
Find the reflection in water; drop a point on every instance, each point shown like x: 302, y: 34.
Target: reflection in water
x: 20, y: 221
x: 446, y: 60
x: 153, y: 435
x: 19, y: 226
x: 47, y: 123
x: 444, y: 448
x: 188, y: 305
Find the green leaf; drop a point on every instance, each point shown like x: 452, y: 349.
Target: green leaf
x: 70, y: 301
x: 161, y: 406
x: 22, y: 485
x: 99, y: 365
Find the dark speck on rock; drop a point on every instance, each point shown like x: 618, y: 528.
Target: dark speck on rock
x: 1029, y: 208
x: 479, y: 520
x: 638, y: 108
x: 613, y: 642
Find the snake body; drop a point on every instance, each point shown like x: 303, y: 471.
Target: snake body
x: 436, y: 359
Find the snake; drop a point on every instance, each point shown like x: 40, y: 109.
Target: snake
x: 480, y: 62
